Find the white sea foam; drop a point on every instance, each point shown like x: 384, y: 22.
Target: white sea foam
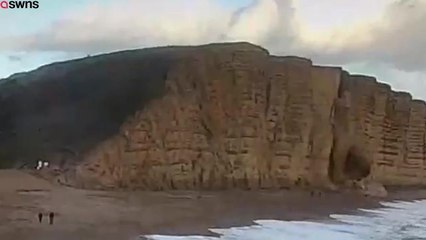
x: 395, y: 220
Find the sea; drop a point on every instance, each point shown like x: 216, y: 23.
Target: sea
x: 396, y: 220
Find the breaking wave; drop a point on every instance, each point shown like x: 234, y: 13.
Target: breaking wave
x: 394, y: 220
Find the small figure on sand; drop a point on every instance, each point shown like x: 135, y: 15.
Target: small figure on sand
x: 51, y: 216
x: 41, y: 164
x: 316, y: 192
x: 40, y: 217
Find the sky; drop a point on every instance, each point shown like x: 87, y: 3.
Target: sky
x: 382, y: 38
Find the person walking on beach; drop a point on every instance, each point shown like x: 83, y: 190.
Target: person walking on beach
x: 51, y: 216
x: 40, y: 217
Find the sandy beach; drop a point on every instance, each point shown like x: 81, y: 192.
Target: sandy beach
x: 106, y: 215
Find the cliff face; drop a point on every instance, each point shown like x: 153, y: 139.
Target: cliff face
x: 224, y: 116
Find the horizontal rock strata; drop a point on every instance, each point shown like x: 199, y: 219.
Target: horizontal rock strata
x: 229, y: 116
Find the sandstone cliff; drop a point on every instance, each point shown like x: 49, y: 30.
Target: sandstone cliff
x: 212, y: 117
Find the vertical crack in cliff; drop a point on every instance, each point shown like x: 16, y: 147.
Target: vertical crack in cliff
x: 268, y: 97
x: 331, y: 160
x: 334, y: 121
x: 208, y: 131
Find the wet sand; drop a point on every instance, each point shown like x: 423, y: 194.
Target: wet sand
x: 93, y: 215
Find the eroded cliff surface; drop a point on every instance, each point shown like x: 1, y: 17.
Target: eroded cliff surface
x: 228, y: 116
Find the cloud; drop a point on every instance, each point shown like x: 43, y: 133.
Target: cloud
x: 401, y: 38
x: 396, y: 39
x: 262, y: 22
x: 142, y: 23
x: 389, y: 44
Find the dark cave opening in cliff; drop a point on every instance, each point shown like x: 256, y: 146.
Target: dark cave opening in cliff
x: 356, y: 165
x: 353, y: 165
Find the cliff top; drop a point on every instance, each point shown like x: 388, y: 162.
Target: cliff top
x: 172, y: 51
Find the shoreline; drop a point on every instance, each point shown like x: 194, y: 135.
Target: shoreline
x: 106, y: 215
x: 295, y: 205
